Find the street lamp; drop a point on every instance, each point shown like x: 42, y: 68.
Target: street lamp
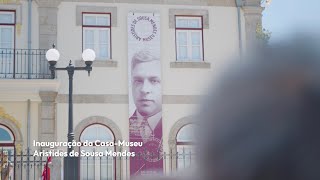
x: 88, y: 56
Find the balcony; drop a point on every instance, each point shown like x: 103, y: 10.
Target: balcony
x: 24, y: 64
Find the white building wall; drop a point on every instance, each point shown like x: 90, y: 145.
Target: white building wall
x: 179, y: 85
x: 19, y: 111
x: 220, y: 43
x: 21, y: 41
x: 34, y: 26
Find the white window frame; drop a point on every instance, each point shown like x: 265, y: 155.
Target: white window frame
x: 188, y: 149
x: 95, y: 169
x: 96, y: 30
x: 189, y: 30
x: 10, y: 25
x: 7, y: 65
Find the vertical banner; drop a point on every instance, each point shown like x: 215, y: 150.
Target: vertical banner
x: 145, y: 95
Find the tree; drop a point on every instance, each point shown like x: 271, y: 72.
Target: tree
x: 262, y: 34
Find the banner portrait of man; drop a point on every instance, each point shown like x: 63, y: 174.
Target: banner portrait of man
x: 145, y: 93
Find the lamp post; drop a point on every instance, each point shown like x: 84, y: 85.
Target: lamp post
x: 71, y: 170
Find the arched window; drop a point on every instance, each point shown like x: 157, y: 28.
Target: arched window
x: 6, y: 153
x: 95, y: 167
x: 185, y: 146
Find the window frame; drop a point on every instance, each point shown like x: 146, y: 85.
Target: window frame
x: 10, y: 24
x: 10, y: 63
x: 9, y: 145
x: 96, y: 27
x: 114, y: 148
x: 188, y: 30
x: 186, y: 143
x: 11, y: 134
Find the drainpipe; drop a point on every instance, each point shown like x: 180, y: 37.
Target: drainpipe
x: 239, y: 4
x: 28, y: 138
x: 29, y: 37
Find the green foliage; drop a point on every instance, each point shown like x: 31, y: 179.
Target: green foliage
x: 262, y: 34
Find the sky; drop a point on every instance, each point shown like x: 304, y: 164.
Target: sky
x: 285, y: 17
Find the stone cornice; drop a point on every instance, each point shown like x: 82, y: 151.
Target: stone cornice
x: 229, y: 3
x: 23, y: 89
x: 123, y: 99
x: 255, y: 3
x: 28, y: 85
x: 252, y: 10
x: 5, y: 2
x: 199, y: 65
x: 93, y: 98
x: 48, y: 3
x: 98, y: 63
x: 48, y: 96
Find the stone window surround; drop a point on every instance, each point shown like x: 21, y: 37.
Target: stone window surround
x: 18, y: 138
x: 189, y: 12
x: 173, y: 137
x: 108, y: 123
x: 98, y: 63
x: 96, y: 9
x: 191, y: 64
x: 227, y: 3
x: 97, y: 120
x: 15, y: 7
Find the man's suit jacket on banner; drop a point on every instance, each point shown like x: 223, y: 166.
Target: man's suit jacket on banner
x: 148, y: 159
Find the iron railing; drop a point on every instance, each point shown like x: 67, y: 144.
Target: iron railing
x: 25, y: 166
x: 24, y: 64
x: 20, y: 165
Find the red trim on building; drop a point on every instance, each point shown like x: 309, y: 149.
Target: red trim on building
x: 14, y: 137
x: 189, y: 15
x: 175, y: 36
x: 110, y: 37
x: 14, y: 35
x: 96, y: 13
x: 6, y: 145
x: 202, y: 39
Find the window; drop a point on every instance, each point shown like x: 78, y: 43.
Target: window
x: 95, y: 167
x: 6, y: 153
x: 7, y: 23
x: 96, y: 34
x: 7, y: 26
x: 189, y: 38
x: 185, y: 146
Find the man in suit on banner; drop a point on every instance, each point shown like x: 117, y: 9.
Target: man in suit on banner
x: 146, y: 121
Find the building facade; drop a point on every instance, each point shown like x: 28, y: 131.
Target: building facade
x: 197, y: 37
